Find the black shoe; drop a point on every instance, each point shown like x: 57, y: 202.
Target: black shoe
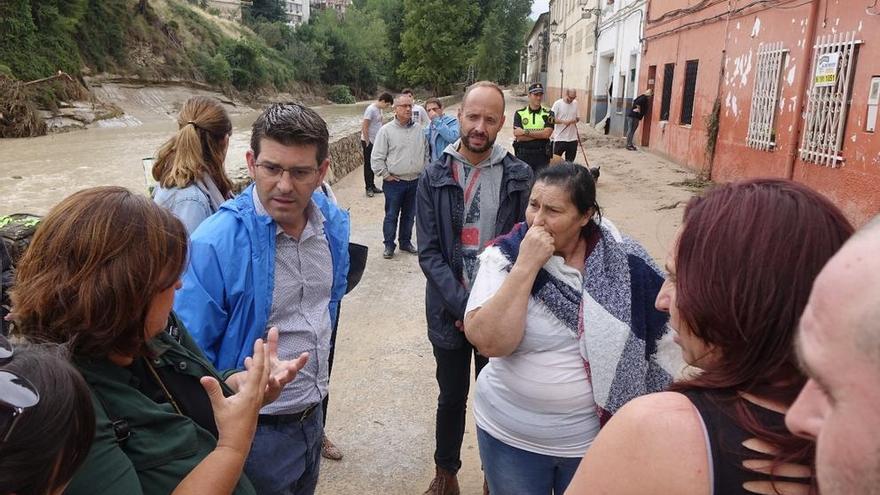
x: 376, y: 190
x: 388, y: 253
x: 409, y: 248
x: 370, y: 193
x: 631, y: 148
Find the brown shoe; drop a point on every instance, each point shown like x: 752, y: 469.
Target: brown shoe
x: 444, y: 483
x: 330, y: 451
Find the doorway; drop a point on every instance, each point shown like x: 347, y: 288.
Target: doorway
x: 646, y: 120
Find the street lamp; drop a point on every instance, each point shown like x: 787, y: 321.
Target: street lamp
x: 554, y: 26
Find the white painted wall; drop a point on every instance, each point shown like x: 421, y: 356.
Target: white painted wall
x: 619, y: 51
x: 574, y: 54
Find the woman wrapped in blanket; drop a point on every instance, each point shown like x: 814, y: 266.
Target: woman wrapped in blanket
x: 564, y: 307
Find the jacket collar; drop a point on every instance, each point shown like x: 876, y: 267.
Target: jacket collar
x: 439, y: 174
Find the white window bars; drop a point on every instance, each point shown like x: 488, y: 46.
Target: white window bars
x: 762, y: 118
x: 825, y: 117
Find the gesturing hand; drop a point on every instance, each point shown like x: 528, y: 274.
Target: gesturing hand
x: 280, y: 372
x: 536, y: 248
x: 236, y: 416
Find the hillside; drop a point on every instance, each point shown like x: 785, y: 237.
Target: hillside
x: 141, y: 40
x: 437, y: 44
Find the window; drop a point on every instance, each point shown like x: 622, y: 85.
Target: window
x: 828, y: 101
x: 668, y: 73
x: 690, y: 87
x: 765, y: 97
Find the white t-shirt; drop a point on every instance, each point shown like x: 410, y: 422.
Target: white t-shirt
x: 374, y: 114
x: 538, y: 398
x: 565, y: 111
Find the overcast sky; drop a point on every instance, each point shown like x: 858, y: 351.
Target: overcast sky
x: 539, y: 7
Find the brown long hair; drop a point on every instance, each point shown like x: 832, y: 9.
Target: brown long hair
x: 92, y: 269
x: 746, y: 260
x: 197, y: 148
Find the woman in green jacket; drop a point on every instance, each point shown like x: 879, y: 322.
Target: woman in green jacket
x: 100, y: 275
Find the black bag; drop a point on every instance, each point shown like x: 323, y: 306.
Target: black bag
x: 357, y: 254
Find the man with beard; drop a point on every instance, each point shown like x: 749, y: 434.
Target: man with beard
x: 838, y: 346
x: 473, y: 193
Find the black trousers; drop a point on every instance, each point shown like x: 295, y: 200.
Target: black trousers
x: 536, y: 157
x: 369, y: 177
x: 454, y: 379
x: 570, y: 148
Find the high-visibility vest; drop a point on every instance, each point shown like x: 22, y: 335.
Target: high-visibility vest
x: 533, y: 121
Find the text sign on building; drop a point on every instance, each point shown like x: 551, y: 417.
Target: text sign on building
x: 826, y: 70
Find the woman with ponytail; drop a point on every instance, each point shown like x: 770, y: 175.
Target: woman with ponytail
x: 189, y: 167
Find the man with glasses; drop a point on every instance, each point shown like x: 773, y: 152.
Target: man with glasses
x: 399, y: 156
x: 275, y: 256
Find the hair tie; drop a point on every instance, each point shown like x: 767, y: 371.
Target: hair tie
x: 193, y: 124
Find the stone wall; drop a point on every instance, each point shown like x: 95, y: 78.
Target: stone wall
x: 345, y: 155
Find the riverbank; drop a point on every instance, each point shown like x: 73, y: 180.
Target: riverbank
x: 35, y: 173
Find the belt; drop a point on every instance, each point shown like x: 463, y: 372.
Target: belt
x: 283, y: 419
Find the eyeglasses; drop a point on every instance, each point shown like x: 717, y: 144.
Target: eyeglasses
x: 298, y: 174
x: 16, y: 394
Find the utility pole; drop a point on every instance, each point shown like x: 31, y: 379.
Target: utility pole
x: 554, y: 26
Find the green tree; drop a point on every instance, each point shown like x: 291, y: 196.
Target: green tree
x: 248, y: 66
x: 435, y: 45
x: 357, y: 48
x: 501, y: 39
x: 103, y: 34
x: 265, y: 10
x: 18, y: 39
x: 277, y: 35
x: 390, y: 11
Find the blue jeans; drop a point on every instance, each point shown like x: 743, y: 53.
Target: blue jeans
x: 285, y: 459
x: 400, y: 203
x: 512, y: 471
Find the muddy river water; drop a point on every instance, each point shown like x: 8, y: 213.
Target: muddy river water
x: 36, y: 173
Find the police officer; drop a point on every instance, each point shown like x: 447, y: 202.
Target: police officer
x: 532, y: 127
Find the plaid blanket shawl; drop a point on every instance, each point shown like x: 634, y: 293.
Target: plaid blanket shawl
x: 623, y: 340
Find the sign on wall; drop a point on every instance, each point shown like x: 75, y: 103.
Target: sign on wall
x: 826, y: 69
